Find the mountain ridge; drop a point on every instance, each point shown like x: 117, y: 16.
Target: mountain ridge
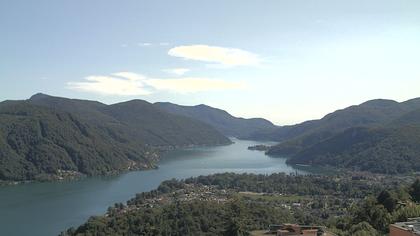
x: 220, y: 119
x: 368, y: 114
x: 48, y: 137
x: 386, y: 142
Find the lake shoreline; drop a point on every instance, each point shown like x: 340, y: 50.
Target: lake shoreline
x: 74, y: 175
x: 69, y: 203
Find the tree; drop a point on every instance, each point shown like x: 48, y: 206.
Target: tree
x: 373, y: 213
x: 415, y: 191
x: 363, y: 229
x: 235, y: 228
x: 235, y: 225
x: 406, y: 212
x: 387, y: 200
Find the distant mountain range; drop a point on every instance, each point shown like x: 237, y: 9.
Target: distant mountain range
x: 47, y: 137
x: 219, y: 119
x: 51, y: 137
x: 378, y: 135
x: 137, y: 120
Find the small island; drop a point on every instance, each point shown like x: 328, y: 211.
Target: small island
x: 259, y: 147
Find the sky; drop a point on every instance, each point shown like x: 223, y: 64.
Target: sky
x: 284, y: 60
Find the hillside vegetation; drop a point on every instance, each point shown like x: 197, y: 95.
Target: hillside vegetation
x: 382, y: 150
x: 368, y: 114
x: 38, y: 143
x: 379, y: 136
x: 138, y: 120
x: 52, y: 138
x: 235, y: 204
x: 219, y: 119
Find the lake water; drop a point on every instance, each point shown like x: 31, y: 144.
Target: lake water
x: 48, y: 208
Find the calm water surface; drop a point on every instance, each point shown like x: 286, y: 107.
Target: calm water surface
x: 48, y: 208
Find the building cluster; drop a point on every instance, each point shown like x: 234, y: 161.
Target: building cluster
x: 298, y: 230
x: 408, y: 228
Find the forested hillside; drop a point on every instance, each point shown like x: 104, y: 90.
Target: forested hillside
x: 39, y: 143
x: 382, y: 150
x: 379, y: 136
x: 368, y: 114
x: 219, y: 119
x: 235, y: 204
x: 139, y: 120
x: 52, y: 138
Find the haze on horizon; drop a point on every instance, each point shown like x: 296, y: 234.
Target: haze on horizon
x: 287, y: 61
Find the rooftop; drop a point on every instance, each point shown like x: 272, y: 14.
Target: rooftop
x: 413, y: 225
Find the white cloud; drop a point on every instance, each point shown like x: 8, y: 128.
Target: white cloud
x: 130, y: 76
x: 110, y: 85
x: 144, y: 44
x: 216, y: 55
x: 132, y: 84
x: 178, y: 71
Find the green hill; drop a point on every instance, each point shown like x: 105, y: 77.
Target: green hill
x: 160, y: 128
x: 238, y: 204
x: 219, y: 119
x: 39, y: 143
x: 139, y: 120
x: 373, y: 113
x: 393, y: 150
x: 47, y: 137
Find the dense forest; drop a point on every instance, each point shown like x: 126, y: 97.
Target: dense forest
x: 137, y: 120
x: 219, y: 119
x: 236, y: 204
x: 379, y: 136
x: 391, y: 150
x: 47, y: 138
x: 38, y: 143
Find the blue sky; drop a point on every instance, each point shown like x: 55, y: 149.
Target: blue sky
x: 287, y: 61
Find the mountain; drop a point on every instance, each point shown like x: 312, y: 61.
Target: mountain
x: 40, y: 143
x: 219, y: 119
x: 393, y: 150
x: 410, y: 118
x: 48, y: 137
x: 372, y: 113
x: 392, y: 147
x: 139, y: 120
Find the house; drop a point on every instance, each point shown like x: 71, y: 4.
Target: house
x: 408, y: 228
x: 297, y: 230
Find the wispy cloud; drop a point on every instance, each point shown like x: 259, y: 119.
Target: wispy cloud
x: 178, y: 71
x: 149, y: 44
x: 131, y: 84
x: 112, y: 85
x: 216, y: 55
x: 144, y: 44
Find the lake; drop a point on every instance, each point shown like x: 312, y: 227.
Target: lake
x: 48, y: 208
